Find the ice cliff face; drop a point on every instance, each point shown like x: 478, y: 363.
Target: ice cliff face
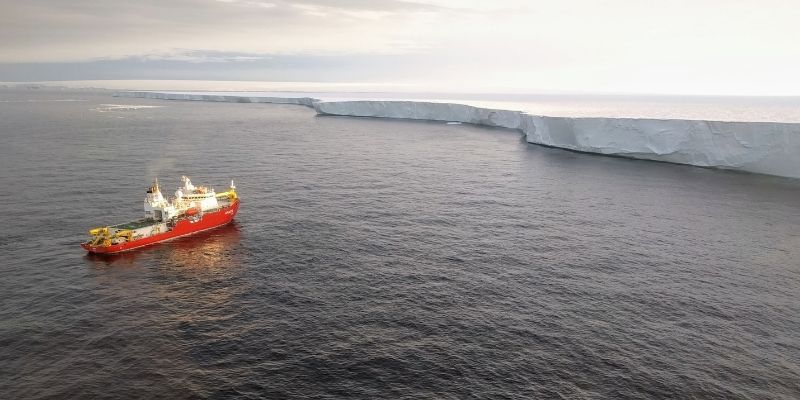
x: 762, y: 147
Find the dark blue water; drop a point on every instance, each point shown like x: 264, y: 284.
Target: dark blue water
x: 383, y: 259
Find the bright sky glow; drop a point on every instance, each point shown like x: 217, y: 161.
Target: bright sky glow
x: 629, y: 46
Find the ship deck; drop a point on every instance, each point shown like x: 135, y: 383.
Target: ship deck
x: 135, y: 224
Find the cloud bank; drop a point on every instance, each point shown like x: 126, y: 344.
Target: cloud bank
x: 700, y: 46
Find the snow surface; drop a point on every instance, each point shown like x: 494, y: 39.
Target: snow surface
x: 763, y: 147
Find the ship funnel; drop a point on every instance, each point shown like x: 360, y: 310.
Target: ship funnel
x: 154, y: 187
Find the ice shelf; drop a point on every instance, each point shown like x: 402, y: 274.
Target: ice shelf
x: 762, y: 147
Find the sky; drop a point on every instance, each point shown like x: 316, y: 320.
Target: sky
x: 731, y: 47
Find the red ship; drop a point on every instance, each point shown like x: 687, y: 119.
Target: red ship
x: 193, y: 209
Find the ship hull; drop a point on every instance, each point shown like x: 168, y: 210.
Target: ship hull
x: 184, y: 227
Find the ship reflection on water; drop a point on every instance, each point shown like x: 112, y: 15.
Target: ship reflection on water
x: 209, y: 249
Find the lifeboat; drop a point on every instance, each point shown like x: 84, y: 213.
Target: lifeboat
x: 192, y: 211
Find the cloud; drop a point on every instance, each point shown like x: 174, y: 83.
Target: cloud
x: 250, y: 3
x: 198, y: 56
x: 213, y: 65
x: 54, y: 30
x: 371, y: 5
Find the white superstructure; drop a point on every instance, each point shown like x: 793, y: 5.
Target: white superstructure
x: 189, y: 199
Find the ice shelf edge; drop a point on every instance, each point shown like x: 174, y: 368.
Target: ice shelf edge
x: 771, y: 148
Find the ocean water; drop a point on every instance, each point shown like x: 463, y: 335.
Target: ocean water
x: 383, y: 259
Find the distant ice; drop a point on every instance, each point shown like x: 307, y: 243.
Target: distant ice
x: 40, y: 101
x: 121, y: 107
